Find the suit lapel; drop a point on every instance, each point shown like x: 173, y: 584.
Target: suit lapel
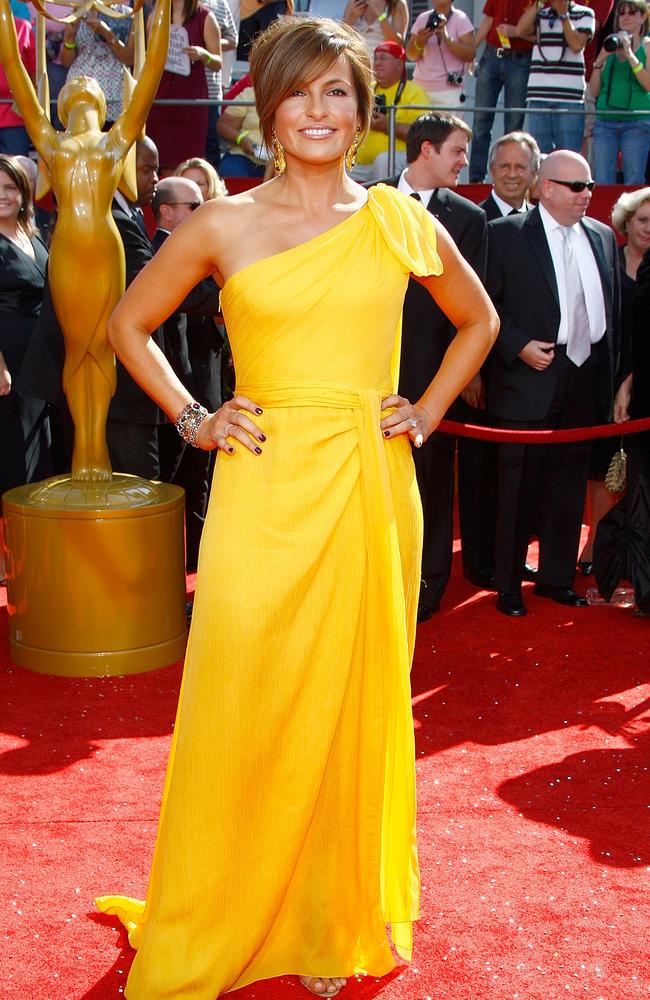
x: 439, y: 205
x: 536, y: 235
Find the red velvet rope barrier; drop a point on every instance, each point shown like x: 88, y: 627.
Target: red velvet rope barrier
x: 543, y: 437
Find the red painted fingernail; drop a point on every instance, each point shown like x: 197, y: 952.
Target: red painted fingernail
x: 386, y: 434
x: 262, y: 437
x: 258, y: 409
x: 258, y: 451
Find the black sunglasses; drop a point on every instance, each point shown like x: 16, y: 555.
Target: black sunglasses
x: 193, y: 204
x: 575, y: 186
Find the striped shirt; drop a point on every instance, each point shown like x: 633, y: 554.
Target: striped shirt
x: 557, y: 73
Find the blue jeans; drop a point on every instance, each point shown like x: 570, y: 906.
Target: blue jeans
x: 510, y: 74
x: 631, y: 139
x: 557, y: 131
x: 14, y: 141
x: 234, y: 165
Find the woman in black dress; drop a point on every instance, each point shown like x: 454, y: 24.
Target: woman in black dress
x: 23, y: 265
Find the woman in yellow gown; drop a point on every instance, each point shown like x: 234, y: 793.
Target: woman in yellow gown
x: 287, y: 834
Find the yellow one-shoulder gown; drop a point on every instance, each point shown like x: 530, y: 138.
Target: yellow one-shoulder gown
x: 286, y: 841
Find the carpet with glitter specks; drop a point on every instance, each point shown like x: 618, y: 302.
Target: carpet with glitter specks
x: 533, y: 740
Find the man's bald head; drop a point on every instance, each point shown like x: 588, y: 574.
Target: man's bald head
x: 175, y: 198
x: 559, y: 171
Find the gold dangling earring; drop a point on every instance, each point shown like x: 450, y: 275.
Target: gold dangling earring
x: 279, y: 161
x: 351, y: 155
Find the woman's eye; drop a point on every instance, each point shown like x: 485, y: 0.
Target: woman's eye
x: 338, y: 92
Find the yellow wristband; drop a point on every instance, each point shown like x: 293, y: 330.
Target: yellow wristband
x: 69, y: 45
x: 419, y: 47
x: 637, y: 69
x: 242, y: 135
x: 382, y: 17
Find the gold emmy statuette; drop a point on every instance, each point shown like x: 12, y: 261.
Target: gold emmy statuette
x: 95, y: 560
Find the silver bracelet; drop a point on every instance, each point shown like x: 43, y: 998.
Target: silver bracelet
x: 189, y: 420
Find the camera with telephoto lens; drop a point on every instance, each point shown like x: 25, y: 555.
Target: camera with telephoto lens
x: 612, y: 43
x: 455, y: 79
x: 380, y: 104
x: 435, y: 20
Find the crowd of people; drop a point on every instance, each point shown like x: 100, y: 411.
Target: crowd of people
x: 575, y: 75
x: 139, y: 438
x: 295, y: 715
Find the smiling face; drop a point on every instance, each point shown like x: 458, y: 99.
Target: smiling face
x: 512, y: 172
x: 317, y: 122
x: 638, y: 228
x: 11, y: 199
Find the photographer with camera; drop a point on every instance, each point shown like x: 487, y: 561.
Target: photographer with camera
x: 557, y: 82
x: 620, y: 82
x: 391, y: 88
x: 441, y: 43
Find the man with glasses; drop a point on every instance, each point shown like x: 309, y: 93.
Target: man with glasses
x: 193, y: 347
x: 553, y: 276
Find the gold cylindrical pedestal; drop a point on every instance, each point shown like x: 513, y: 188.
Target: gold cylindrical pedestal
x: 95, y: 576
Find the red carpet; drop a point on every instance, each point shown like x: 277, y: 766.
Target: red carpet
x: 533, y: 744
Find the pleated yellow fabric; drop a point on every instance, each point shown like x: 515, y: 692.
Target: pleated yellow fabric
x: 287, y: 833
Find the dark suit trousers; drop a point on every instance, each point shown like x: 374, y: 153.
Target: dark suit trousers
x: 543, y: 486
x: 477, y: 492
x: 189, y: 468
x: 133, y: 448
x: 434, y: 468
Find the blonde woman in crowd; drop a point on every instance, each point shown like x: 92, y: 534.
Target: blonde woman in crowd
x: 202, y: 173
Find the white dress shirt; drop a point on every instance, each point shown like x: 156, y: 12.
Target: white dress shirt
x: 589, y: 275
x: 505, y: 208
x: 404, y: 186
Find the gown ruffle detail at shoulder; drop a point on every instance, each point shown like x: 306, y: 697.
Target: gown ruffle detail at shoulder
x: 407, y: 227
x: 286, y: 842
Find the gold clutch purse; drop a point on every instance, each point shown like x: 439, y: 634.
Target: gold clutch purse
x: 616, y: 475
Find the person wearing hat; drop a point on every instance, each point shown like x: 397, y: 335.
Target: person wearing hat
x: 391, y: 88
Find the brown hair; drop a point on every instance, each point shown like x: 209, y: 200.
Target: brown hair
x: 295, y: 50
x: 639, y: 5
x: 17, y: 173
x: 434, y: 127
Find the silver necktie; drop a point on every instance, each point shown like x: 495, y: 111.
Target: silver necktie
x: 578, y: 346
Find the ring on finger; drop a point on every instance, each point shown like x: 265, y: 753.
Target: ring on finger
x: 226, y: 433
x: 412, y: 422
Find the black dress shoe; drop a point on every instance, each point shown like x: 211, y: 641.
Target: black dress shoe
x: 511, y: 604
x: 530, y: 573
x: 561, y: 595
x: 586, y: 568
x: 483, y: 579
x: 425, y: 612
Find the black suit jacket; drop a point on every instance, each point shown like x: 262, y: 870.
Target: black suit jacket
x: 426, y: 331
x: 193, y: 342
x: 491, y: 209
x: 521, y: 283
